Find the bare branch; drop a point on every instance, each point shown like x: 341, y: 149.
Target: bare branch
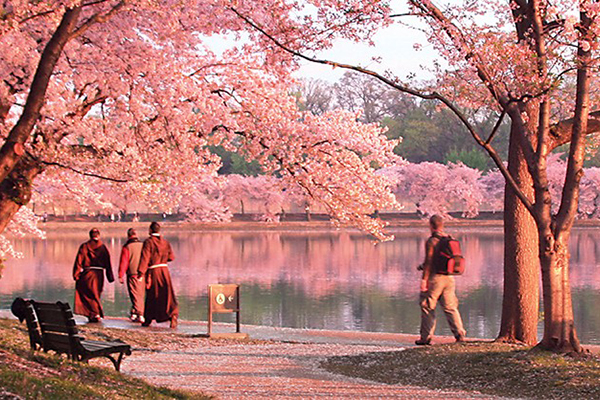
x: 197, y: 71
x: 403, y: 15
x: 84, y: 173
x: 496, y: 127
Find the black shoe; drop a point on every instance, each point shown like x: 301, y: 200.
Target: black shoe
x: 422, y: 342
x: 460, y: 338
x: 147, y: 323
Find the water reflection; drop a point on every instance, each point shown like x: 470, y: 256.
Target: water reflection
x: 319, y: 280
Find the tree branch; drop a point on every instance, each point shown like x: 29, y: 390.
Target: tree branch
x: 570, y: 194
x: 428, y: 96
x: 98, y: 18
x: 90, y: 174
x: 48, y: 12
x: 496, y: 127
x: 560, y: 133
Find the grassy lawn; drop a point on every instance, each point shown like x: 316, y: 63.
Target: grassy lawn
x: 45, y: 376
x: 490, y: 368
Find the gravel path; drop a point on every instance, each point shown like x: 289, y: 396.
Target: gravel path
x: 273, y: 370
x: 278, y: 363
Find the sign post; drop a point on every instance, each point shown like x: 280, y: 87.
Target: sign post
x: 224, y: 298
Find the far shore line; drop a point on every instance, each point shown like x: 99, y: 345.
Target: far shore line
x: 53, y: 226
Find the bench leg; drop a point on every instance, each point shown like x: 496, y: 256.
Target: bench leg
x: 117, y: 362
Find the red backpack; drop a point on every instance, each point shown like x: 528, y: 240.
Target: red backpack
x: 447, y: 257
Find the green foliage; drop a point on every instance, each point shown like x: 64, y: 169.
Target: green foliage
x: 419, y: 137
x: 432, y: 134
x: 471, y: 158
x: 235, y: 163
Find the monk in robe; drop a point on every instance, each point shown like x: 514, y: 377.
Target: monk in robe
x: 91, y: 263
x: 161, y: 303
x: 131, y: 254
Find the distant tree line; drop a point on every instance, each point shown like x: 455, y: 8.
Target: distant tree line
x: 428, y: 132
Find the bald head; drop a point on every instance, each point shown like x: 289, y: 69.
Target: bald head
x: 94, y: 234
x: 436, y: 223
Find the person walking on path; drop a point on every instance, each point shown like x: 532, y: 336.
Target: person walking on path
x: 91, y: 262
x: 435, y: 286
x: 131, y: 253
x: 161, y: 303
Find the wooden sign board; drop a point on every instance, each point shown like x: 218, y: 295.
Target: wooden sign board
x: 224, y: 298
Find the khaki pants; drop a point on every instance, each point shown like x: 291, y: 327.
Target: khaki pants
x: 137, y: 293
x: 442, y: 288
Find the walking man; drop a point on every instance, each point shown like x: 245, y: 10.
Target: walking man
x: 128, y: 265
x: 161, y: 303
x: 436, y: 286
x: 91, y: 262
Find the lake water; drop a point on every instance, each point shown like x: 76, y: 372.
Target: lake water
x: 310, y: 279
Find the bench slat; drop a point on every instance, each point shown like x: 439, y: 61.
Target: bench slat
x: 60, y: 343
x: 93, y: 345
x: 50, y: 314
x: 55, y: 327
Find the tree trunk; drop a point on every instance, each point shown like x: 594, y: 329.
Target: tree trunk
x: 520, y: 303
x: 12, y: 150
x: 16, y: 190
x: 559, y: 327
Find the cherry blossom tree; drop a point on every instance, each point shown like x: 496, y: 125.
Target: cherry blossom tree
x: 589, y: 201
x: 266, y: 190
x: 492, y: 184
x: 437, y: 188
x: 530, y: 61
x: 129, y: 92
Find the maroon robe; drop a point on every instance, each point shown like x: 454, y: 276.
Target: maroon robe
x: 92, y: 261
x: 161, y: 303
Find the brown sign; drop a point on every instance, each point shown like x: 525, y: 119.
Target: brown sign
x: 224, y: 298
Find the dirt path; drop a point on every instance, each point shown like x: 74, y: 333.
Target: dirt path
x: 273, y: 370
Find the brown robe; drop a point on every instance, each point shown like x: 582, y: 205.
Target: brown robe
x: 89, y: 280
x: 161, y: 303
x: 129, y: 264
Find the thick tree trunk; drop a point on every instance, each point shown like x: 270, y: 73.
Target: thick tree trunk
x: 16, y: 190
x: 12, y: 150
x: 520, y: 303
x: 559, y: 328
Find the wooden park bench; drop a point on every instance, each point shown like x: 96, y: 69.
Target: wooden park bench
x: 51, y: 326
